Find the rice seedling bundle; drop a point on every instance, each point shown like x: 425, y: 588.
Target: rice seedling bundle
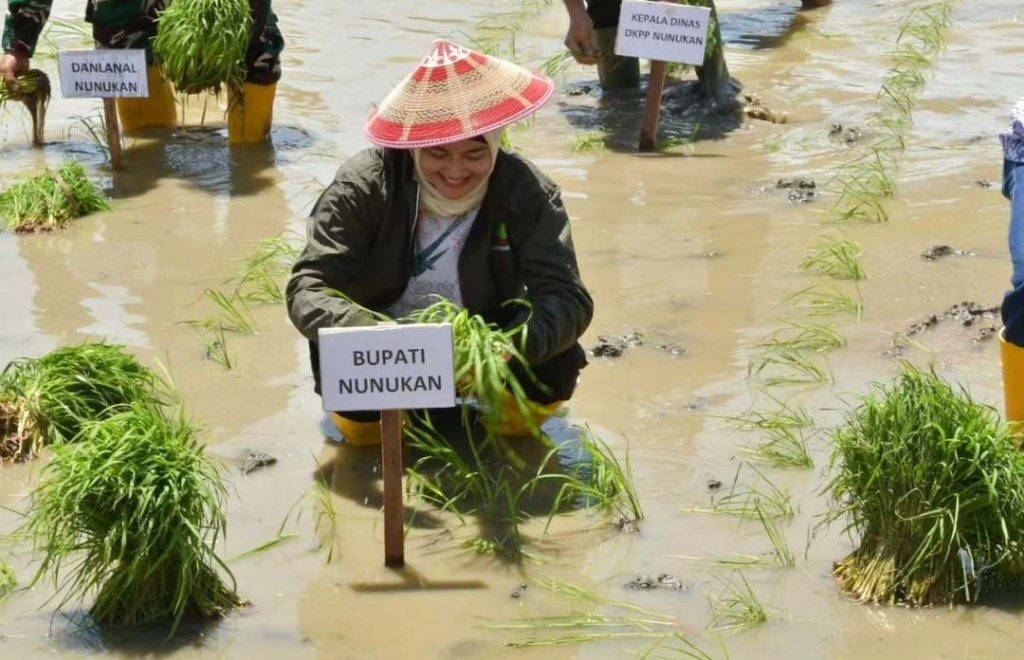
x: 933, y: 485
x: 201, y: 44
x: 484, y: 355
x: 51, y: 200
x: 47, y: 400
x: 132, y: 514
x: 34, y: 93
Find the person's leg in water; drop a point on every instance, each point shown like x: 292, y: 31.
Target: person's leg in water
x: 133, y: 24
x: 251, y: 109
x: 615, y: 72
x: 1011, y: 339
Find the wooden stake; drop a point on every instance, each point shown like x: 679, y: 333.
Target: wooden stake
x: 652, y: 107
x: 113, y: 132
x: 391, y: 465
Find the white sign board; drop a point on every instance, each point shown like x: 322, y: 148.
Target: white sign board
x: 663, y: 31
x: 105, y: 74
x: 387, y: 367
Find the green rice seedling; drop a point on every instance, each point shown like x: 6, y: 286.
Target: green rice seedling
x: 62, y: 34
x: 280, y: 539
x: 788, y: 366
x: 932, y: 484
x: 51, y: 200
x: 736, y: 608
x: 484, y: 354
x: 838, y: 258
x: 599, y: 480
x: 263, y: 273
x: 234, y: 313
x: 201, y: 44
x: 8, y: 580
x: 783, y: 556
x: 783, y: 448
x: 481, y: 481
x: 92, y: 129
x: 752, y: 502
x: 825, y: 300
x: 677, y: 646
x: 326, y: 526
x: 217, y: 347
x: 802, y: 336
x: 47, y: 400
x: 33, y: 91
x: 786, y: 417
x: 589, y: 142
x: 627, y: 621
x: 557, y: 64
x: 131, y: 516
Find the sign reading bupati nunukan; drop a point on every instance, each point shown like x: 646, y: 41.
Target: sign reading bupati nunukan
x: 388, y: 368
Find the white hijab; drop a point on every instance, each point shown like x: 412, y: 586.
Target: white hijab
x: 431, y: 199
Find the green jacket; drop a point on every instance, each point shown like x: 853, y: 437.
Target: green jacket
x: 360, y: 242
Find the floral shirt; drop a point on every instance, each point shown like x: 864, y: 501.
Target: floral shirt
x: 1013, y: 137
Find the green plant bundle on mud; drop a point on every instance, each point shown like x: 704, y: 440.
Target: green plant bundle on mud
x: 933, y: 485
x: 51, y: 200
x: 33, y: 92
x: 131, y: 514
x: 201, y: 44
x: 47, y: 400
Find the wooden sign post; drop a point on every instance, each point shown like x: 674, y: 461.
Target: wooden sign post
x: 388, y: 368
x: 661, y: 32
x: 106, y: 74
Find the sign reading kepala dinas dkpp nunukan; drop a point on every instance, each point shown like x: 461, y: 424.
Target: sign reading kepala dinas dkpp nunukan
x: 387, y: 367
x: 663, y: 31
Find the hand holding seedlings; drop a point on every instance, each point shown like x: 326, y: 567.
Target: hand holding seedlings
x: 11, y: 66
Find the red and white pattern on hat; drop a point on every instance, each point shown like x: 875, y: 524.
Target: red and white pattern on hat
x: 455, y: 93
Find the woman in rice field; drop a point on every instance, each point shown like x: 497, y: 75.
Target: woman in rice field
x: 1012, y: 336
x: 438, y: 209
x: 133, y: 24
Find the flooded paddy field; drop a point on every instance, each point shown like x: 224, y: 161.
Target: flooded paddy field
x: 697, y: 248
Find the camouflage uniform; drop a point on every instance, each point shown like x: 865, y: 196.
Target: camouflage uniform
x: 132, y: 24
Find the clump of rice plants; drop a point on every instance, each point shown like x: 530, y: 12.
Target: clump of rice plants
x: 598, y: 479
x: 484, y: 355
x: 131, y: 515
x: 201, y: 44
x: 47, y: 400
x: 263, y: 273
x: 33, y: 91
x: 838, y: 258
x: 736, y: 608
x: 933, y: 485
x: 51, y: 200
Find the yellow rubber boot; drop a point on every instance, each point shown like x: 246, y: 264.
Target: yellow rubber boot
x: 358, y: 434
x: 1013, y: 379
x: 157, y: 111
x: 514, y: 424
x: 251, y: 113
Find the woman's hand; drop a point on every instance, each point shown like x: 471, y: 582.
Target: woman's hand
x: 580, y: 37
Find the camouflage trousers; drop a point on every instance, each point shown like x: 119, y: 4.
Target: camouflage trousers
x: 132, y: 24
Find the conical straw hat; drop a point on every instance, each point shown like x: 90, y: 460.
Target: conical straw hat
x: 454, y: 94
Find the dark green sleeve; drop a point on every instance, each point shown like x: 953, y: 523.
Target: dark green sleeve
x: 23, y: 23
x: 561, y: 307
x: 337, y: 244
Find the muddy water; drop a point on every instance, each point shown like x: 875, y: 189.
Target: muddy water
x: 695, y: 248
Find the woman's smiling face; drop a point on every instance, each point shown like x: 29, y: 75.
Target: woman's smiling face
x: 456, y: 169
